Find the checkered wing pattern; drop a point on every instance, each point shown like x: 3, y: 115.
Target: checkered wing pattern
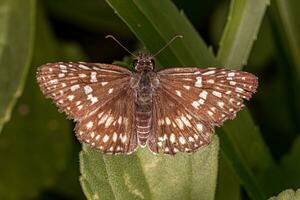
x: 194, y: 101
x: 98, y: 97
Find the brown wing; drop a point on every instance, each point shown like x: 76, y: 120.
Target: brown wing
x: 85, y: 90
x: 202, y: 98
x: 174, y: 127
x: 111, y: 128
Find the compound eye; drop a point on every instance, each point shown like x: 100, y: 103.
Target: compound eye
x: 135, y: 62
x: 153, y: 62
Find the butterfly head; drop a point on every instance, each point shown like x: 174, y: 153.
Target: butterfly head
x: 144, y: 62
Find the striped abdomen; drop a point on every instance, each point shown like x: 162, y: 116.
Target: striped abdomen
x: 143, y: 122
x: 143, y: 109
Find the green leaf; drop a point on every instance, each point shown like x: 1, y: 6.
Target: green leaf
x: 18, y: 14
x: 36, y: 143
x: 91, y: 15
x: 147, y: 176
x: 241, y: 31
x: 287, y: 195
x: 285, y: 21
x: 248, y: 149
x: 228, y: 185
x: 290, y: 165
x: 286, y: 16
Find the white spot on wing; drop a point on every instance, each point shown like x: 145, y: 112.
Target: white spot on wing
x: 92, y: 134
x: 209, y: 72
x: 105, y: 138
x: 124, y: 138
x: 191, y: 139
x: 186, y: 121
x: 83, y: 67
x: 115, y: 137
x: 201, y: 101
x: 62, y: 67
x: 179, y: 123
x: 109, y: 120
x: 178, y: 93
x: 187, y: 87
x: 102, y: 120
x: 203, y: 94
x: 211, y: 81
x: 168, y: 121
x: 61, y: 75
x: 196, y: 104
x: 74, y: 87
x: 89, y: 125
x: 198, y: 83
x: 120, y: 120
x: 199, y: 127
x: 217, y: 94
x: 82, y: 75
x: 94, y: 77
x: 182, y: 140
x: 232, y: 82
x: 87, y: 89
x: 54, y: 81
x: 172, y: 138
x: 94, y: 100
x: 221, y: 104
x: 237, y: 89
x: 71, y: 97
x: 110, y: 90
x: 231, y: 74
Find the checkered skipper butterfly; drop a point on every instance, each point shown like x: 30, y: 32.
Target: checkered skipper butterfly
x: 172, y: 110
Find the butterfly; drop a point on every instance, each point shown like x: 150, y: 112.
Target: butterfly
x: 117, y: 110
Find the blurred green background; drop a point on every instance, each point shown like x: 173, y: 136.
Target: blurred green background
x: 255, y: 156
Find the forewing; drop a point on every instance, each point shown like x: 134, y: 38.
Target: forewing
x: 79, y: 88
x: 98, y: 97
x: 215, y: 95
x: 189, y: 102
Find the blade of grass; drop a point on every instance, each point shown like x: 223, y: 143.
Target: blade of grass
x: 94, y: 15
x: 285, y: 24
x: 288, y: 26
x: 237, y: 40
x: 241, y: 31
x: 228, y: 184
x: 290, y: 164
x: 18, y: 14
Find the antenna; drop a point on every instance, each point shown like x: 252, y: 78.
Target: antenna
x: 172, y: 40
x: 119, y: 43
